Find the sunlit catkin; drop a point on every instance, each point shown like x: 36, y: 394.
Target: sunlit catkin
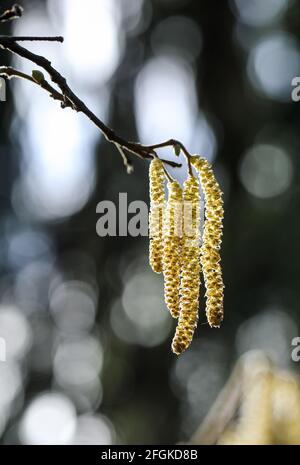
x: 157, y: 205
x: 190, y: 267
x: 212, y: 238
x: 255, y: 423
x: 172, y: 239
x: 286, y: 408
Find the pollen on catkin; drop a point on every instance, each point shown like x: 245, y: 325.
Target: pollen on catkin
x: 157, y: 205
x: 212, y: 238
x: 172, y: 240
x: 190, y: 267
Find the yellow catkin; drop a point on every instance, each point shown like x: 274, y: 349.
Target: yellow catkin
x: 255, y: 423
x: 269, y: 413
x: 212, y: 238
x: 190, y: 268
x: 286, y: 409
x: 172, y: 239
x: 157, y: 205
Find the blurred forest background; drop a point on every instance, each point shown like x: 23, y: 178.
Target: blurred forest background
x: 87, y: 331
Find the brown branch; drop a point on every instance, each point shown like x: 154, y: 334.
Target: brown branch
x: 126, y: 161
x: 8, y: 72
x: 69, y: 99
x: 34, y: 38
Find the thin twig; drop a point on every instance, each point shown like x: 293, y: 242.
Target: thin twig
x: 178, y: 147
x: 126, y: 161
x: 8, y: 72
x: 33, y: 38
x: 69, y: 99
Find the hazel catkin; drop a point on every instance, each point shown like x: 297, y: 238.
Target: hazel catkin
x: 212, y: 238
x: 190, y: 268
x: 172, y: 239
x: 157, y: 206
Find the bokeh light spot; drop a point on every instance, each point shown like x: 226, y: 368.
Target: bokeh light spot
x: 273, y: 63
x: 266, y: 171
x: 49, y: 419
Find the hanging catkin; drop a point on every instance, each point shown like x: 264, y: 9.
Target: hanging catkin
x: 172, y: 237
x: 190, y: 267
x: 157, y: 205
x: 212, y: 238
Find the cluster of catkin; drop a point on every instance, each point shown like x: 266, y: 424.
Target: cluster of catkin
x: 176, y: 250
